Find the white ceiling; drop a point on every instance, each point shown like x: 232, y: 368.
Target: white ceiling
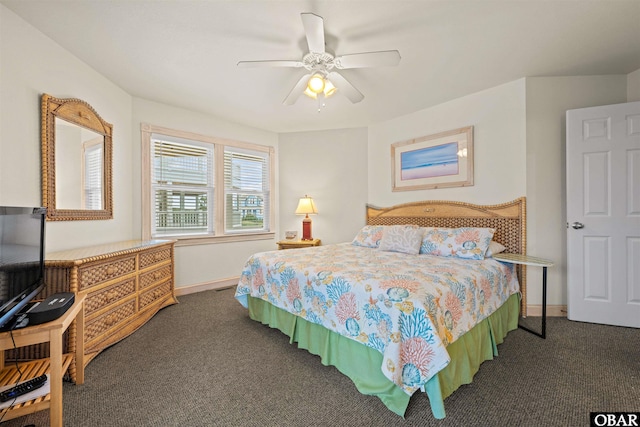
x: 184, y: 53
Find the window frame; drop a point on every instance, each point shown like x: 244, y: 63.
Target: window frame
x: 219, y: 233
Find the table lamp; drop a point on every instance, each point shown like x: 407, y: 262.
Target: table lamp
x: 306, y: 207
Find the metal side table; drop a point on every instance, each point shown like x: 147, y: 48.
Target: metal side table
x: 535, y: 262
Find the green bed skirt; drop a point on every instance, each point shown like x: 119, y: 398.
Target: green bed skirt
x: 362, y: 364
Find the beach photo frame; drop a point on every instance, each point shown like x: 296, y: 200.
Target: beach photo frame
x: 434, y: 161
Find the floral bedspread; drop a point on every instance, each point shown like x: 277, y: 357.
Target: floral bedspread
x: 408, y: 307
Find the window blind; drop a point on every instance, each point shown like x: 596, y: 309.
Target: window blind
x: 246, y: 188
x: 93, y: 173
x: 183, y: 186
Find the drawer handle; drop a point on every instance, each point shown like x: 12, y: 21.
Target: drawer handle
x: 110, y: 320
x: 157, y: 275
x: 111, y: 296
x: 111, y: 270
x: 157, y: 256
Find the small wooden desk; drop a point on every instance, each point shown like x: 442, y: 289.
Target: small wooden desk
x: 55, y: 365
x: 291, y: 244
x: 535, y: 262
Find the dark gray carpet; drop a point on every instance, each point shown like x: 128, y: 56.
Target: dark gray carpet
x: 203, y: 362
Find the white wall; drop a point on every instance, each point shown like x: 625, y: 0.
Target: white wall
x: 331, y: 167
x: 519, y: 145
x: 33, y: 64
x: 37, y: 65
x: 68, y: 173
x: 200, y: 265
x: 548, y: 99
x: 518, y: 134
x: 498, y: 119
x: 633, y: 86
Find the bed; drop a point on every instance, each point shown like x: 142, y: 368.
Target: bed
x: 394, y: 319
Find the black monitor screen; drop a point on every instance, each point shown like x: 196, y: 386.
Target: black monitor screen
x: 21, y: 258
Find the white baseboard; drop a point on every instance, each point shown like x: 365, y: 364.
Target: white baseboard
x: 535, y: 310
x: 207, y: 286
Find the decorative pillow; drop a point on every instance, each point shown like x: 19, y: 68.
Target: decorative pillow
x: 467, y: 242
x: 369, y: 236
x: 494, y: 248
x: 402, y: 238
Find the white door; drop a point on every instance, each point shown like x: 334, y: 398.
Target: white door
x: 603, y: 214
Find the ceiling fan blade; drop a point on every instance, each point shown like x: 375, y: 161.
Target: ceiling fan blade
x: 253, y: 64
x: 383, y: 58
x: 345, y: 87
x: 314, y: 30
x: 297, y: 90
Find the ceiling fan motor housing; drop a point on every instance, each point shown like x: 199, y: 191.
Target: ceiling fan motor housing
x: 319, y: 62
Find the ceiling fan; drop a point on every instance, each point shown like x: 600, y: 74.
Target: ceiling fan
x: 322, y: 79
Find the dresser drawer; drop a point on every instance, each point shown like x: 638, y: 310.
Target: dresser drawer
x: 148, y: 258
x: 100, y: 327
x: 156, y: 276
x: 109, y: 295
x: 152, y: 295
x: 96, y: 274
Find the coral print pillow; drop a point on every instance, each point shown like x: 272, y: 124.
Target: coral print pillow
x: 402, y: 238
x: 469, y: 243
x: 369, y: 236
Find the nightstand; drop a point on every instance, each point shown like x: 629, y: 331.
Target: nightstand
x: 292, y: 244
x: 535, y: 262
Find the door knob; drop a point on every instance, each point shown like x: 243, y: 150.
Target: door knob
x: 577, y: 225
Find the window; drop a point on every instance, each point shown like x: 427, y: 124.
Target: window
x: 246, y: 190
x: 199, y: 187
x: 182, y: 186
x: 92, y: 174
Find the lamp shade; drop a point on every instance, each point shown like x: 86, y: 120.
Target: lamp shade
x: 316, y: 83
x: 329, y: 88
x: 306, y: 206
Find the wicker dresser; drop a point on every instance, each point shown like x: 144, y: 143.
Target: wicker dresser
x: 125, y: 284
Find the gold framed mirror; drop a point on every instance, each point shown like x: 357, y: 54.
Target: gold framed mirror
x: 76, y: 161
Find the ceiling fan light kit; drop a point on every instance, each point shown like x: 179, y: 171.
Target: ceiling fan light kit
x: 323, y: 80
x: 319, y: 88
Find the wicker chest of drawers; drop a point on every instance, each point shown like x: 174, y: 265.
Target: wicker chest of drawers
x: 125, y: 284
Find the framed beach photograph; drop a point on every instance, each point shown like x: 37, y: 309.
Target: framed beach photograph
x: 435, y: 161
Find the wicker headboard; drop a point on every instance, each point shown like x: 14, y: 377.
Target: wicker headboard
x: 508, y: 219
